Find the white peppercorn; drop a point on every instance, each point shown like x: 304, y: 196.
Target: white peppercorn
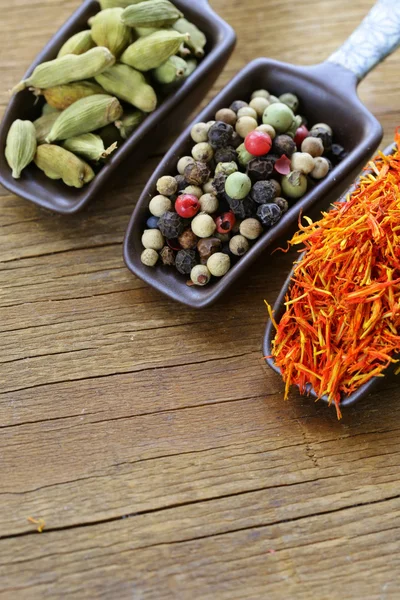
x: 203, y: 152
x: 260, y: 94
x: 159, y: 205
x: 183, y: 163
x: 167, y: 185
x: 149, y: 257
x: 200, y: 275
x: 321, y: 168
x: 226, y: 115
x: 245, y: 125
x: 209, y: 203
x: 218, y: 264
x: 267, y: 129
x: 247, y: 111
x: 324, y: 126
x: 203, y: 225
x: 302, y: 161
x: 199, y: 132
x: 259, y: 105
x: 193, y: 190
x: 251, y: 229
x: 313, y: 146
x: 208, y: 188
x: 153, y: 239
x: 238, y: 245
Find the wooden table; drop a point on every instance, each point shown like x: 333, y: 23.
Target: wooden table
x: 150, y: 438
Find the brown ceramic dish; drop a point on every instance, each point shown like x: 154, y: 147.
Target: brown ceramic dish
x: 327, y: 93
x: 55, y: 195
x: 279, y: 309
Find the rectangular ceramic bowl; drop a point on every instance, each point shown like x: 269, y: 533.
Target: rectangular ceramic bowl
x: 166, y: 119
x: 279, y: 309
x: 327, y: 94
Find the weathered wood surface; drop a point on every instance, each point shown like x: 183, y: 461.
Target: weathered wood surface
x: 149, y: 437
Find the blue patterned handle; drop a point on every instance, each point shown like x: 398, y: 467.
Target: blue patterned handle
x: 376, y: 37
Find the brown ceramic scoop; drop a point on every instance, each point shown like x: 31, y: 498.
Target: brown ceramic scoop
x: 171, y: 112
x: 327, y: 93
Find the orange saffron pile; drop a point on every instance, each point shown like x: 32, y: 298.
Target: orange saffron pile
x: 342, y: 320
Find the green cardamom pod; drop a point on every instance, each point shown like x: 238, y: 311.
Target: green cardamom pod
x: 68, y: 68
x: 77, y: 44
x: 61, y: 96
x: 129, y: 122
x: 197, y: 39
x: 144, y: 31
x: 171, y: 71
x: 109, y: 31
x: 58, y: 163
x: 183, y: 51
x: 191, y: 65
x: 129, y: 85
x: 20, y: 146
x: 44, y: 124
x: 154, y: 13
x: 153, y: 50
x: 118, y: 3
x: 47, y: 109
x: 89, y: 145
x: 84, y: 116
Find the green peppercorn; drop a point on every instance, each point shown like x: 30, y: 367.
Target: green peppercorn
x: 279, y: 116
x: 238, y: 186
x: 294, y: 185
x: 291, y: 100
x: 244, y: 157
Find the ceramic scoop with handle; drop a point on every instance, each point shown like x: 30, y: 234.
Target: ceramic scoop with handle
x: 328, y: 93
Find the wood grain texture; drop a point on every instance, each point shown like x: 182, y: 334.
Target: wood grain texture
x: 151, y: 438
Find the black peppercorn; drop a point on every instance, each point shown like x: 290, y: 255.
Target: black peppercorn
x: 197, y: 173
x: 282, y: 203
x: 237, y: 105
x: 259, y: 169
x: 283, y: 144
x: 269, y: 214
x: 220, y: 134
x: 242, y: 209
x: 225, y: 155
x: 171, y: 225
x: 263, y: 192
x: 185, y: 261
x: 188, y: 239
x: 236, y: 140
x: 338, y: 153
x: 181, y: 181
x: 324, y: 135
x: 218, y: 183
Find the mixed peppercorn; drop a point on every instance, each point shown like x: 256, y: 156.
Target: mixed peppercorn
x: 247, y: 167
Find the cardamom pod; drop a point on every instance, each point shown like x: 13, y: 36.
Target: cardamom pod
x: 77, y: 44
x: 153, y: 50
x: 43, y: 126
x: 109, y: 31
x: 129, y: 122
x: 183, y: 51
x: 47, y: 109
x: 191, y: 65
x: 84, y: 116
x: 58, y: 163
x: 20, y: 146
x: 68, y: 68
x: 143, y: 31
x: 156, y: 13
x: 89, y: 145
x: 115, y: 3
x: 61, y: 96
x: 197, y: 39
x: 171, y: 71
x: 129, y: 85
